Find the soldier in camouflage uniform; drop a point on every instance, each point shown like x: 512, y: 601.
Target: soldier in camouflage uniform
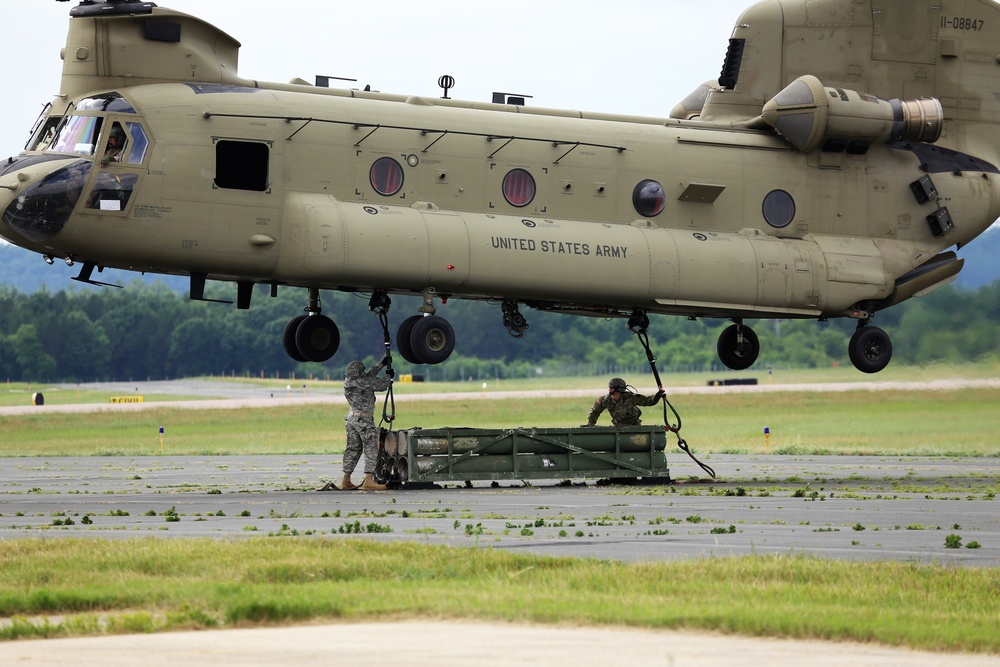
x: 359, y: 389
x: 621, y: 404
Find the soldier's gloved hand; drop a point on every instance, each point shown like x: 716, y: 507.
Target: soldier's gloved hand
x: 386, y: 360
x: 661, y: 395
x: 390, y: 374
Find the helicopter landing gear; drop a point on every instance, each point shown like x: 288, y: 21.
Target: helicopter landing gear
x: 870, y: 348
x: 427, y: 338
x: 738, y: 346
x: 432, y: 340
x: 312, y: 336
x: 513, y: 320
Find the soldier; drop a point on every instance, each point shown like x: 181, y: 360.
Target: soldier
x: 116, y: 144
x: 622, y: 404
x: 359, y: 388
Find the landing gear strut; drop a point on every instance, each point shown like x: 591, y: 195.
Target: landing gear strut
x: 312, y: 336
x: 513, y: 320
x: 738, y: 346
x: 870, y: 348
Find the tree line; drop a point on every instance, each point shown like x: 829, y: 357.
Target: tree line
x: 148, y: 332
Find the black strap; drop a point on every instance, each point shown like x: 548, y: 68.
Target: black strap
x: 380, y: 303
x: 638, y: 324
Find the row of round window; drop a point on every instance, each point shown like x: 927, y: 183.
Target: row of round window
x: 519, y: 189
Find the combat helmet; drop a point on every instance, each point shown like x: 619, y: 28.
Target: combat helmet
x: 616, y: 384
x: 354, y: 370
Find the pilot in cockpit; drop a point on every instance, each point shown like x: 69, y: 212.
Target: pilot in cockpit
x: 116, y: 145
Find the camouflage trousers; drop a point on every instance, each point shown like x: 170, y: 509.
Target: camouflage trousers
x: 361, y: 435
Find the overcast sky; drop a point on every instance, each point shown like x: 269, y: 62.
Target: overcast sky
x: 621, y: 56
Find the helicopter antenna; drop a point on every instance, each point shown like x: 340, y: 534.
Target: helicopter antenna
x: 324, y: 81
x: 447, y: 82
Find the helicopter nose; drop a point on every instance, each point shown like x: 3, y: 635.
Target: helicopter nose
x: 9, y: 185
x: 15, y: 163
x: 13, y: 182
x: 37, y: 196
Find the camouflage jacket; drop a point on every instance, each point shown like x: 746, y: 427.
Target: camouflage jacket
x: 360, y: 391
x: 624, y: 411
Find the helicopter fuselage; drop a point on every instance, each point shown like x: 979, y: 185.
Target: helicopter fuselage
x: 829, y: 203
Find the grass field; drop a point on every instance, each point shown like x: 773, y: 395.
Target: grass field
x: 954, y: 423
x: 146, y: 585
x: 15, y: 393
x: 20, y: 393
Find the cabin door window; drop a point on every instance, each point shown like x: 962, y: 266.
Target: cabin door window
x: 241, y: 165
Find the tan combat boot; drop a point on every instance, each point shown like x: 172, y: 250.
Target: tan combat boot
x: 371, y: 485
x: 345, y: 484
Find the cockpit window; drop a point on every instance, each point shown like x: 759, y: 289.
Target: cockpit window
x: 116, y: 147
x: 111, y: 191
x: 140, y: 143
x: 78, y: 134
x: 111, y: 102
x: 125, y: 147
x: 43, y: 134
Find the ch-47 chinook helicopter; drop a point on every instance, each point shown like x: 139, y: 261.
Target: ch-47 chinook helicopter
x: 847, y: 145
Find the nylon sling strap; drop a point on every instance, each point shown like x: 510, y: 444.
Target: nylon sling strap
x: 379, y: 304
x: 638, y: 324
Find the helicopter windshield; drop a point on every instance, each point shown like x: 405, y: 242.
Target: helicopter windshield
x: 41, y: 210
x: 78, y: 134
x: 43, y: 134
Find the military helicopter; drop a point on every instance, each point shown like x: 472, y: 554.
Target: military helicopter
x: 845, y: 148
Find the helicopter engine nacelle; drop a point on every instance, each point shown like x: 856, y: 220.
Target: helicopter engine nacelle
x: 810, y: 115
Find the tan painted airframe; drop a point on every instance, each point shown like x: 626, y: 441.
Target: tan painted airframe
x: 846, y: 149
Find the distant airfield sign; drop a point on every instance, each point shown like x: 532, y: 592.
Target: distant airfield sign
x: 126, y: 399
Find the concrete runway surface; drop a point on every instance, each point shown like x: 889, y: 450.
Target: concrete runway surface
x: 445, y: 644
x: 843, y: 507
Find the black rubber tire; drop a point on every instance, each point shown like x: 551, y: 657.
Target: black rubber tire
x: 731, y: 354
x: 403, y: 338
x: 432, y: 340
x: 288, y: 338
x: 870, y: 349
x: 317, y: 338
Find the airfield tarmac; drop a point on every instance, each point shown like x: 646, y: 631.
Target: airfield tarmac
x: 848, y: 508
x: 842, y: 507
x: 851, y: 508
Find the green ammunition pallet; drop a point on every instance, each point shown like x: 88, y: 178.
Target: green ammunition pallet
x: 469, y: 454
